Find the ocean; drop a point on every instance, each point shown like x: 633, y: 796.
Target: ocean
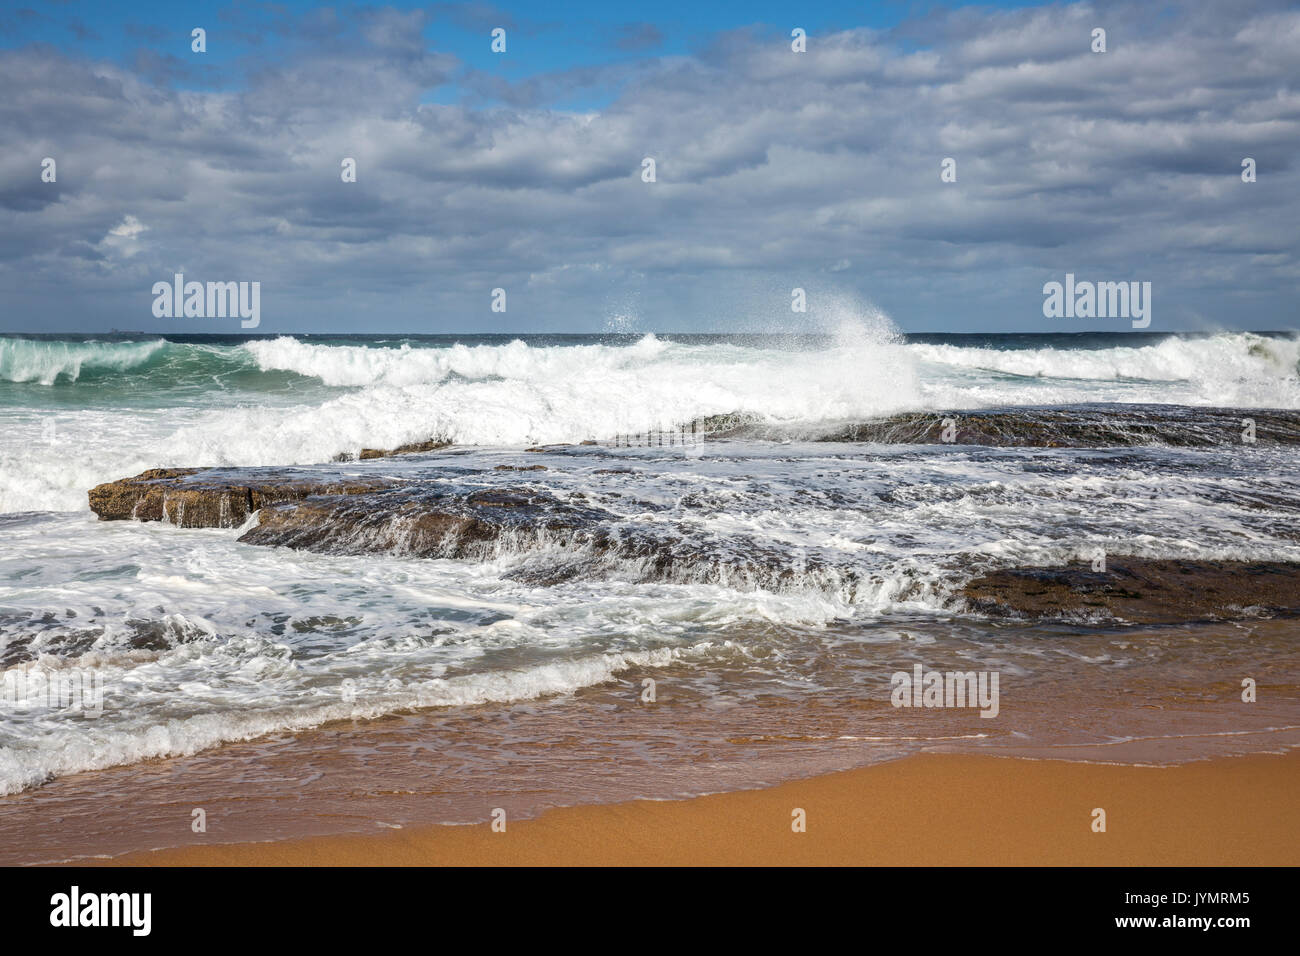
x: 722, y: 560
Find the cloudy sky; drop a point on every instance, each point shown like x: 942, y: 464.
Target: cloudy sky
x: 522, y: 170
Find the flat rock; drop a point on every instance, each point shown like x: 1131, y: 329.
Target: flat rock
x: 1080, y: 426
x: 1141, y: 591
x: 214, y: 497
x: 425, y: 522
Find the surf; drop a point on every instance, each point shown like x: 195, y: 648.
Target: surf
x: 45, y: 362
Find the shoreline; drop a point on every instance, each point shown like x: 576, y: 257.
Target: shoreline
x: 924, y: 810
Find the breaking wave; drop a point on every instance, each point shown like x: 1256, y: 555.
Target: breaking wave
x: 289, y: 401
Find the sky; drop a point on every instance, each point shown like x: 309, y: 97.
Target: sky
x: 523, y: 170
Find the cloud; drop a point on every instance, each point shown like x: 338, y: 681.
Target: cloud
x: 124, y: 238
x: 128, y: 228
x: 775, y: 169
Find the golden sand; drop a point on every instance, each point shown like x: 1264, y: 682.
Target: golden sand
x: 926, y: 810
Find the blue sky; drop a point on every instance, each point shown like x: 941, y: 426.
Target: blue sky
x: 521, y: 171
x: 577, y: 32
x: 542, y: 37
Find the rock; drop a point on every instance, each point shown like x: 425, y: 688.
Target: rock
x: 420, y: 521
x: 414, y: 448
x: 215, y: 498
x: 1081, y: 426
x: 1141, y: 591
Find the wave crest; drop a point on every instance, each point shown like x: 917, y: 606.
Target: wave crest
x: 47, y: 362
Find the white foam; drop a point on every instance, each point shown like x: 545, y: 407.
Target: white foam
x: 1233, y: 369
x: 517, y: 395
x: 63, y: 743
x: 45, y: 362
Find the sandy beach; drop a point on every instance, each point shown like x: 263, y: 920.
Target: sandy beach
x: 926, y: 810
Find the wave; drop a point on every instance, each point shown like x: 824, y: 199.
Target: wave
x: 1224, y: 365
x: 50, y: 749
x: 519, y: 394
x: 1237, y: 368
x: 289, y: 401
x: 48, y: 362
x: 858, y: 375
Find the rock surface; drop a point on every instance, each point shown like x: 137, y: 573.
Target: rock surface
x: 1141, y: 591
x: 213, y: 497
x: 419, y: 522
x: 414, y: 448
x: 439, y: 515
x: 1075, y: 426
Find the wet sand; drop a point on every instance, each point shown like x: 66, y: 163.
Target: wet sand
x: 932, y: 809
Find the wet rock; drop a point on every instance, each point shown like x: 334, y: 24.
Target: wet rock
x: 414, y: 448
x: 1141, y: 591
x: 1081, y: 426
x: 215, y: 498
x: 423, y: 522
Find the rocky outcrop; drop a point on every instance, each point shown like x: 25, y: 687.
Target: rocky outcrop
x: 213, y: 497
x: 1141, y: 591
x: 414, y: 448
x: 431, y: 517
x: 1080, y: 426
x: 444, y: 513
x: 420, y: 522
